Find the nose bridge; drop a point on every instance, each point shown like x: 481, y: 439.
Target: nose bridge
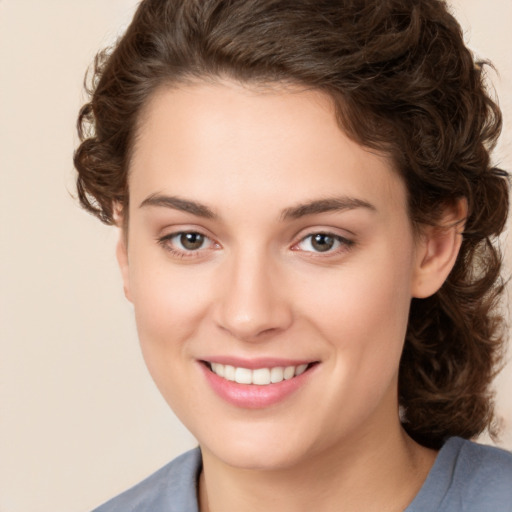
x: 251, y: 302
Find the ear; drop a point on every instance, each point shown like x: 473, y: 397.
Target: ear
x: 122, y: 260
x: 437, y: 250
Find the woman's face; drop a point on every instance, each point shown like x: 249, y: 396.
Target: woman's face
x: 263, y: 243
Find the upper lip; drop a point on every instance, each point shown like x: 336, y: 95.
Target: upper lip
x: 258, y: 362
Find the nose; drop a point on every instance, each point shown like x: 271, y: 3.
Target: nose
x: 252, y: 303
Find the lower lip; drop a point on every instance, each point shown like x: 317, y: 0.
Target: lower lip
x: 252, y: 396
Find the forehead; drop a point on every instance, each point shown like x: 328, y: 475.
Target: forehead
x: 223, y: 142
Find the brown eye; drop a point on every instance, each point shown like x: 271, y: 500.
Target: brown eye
x: 187, y: 244
x: 322, y: 243
x: 191, y: 241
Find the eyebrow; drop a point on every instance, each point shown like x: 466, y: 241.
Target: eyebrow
x: 333, y: 204
x: 177, y: 203
x: 294, y: 212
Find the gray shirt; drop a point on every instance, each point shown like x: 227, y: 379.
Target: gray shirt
x: 466, y: 477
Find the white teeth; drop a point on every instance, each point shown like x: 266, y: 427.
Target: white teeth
x: 289, y: 372
x: 301, y: 369
x: 276, y: 374
x: 260, y: 376
x: 243, y: 376
x: 229, y: 372
x: 218, y: 369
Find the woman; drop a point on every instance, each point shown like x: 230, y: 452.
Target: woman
x: 307, y: 212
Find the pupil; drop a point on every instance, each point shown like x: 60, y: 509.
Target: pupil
x: 191, y: 241
x: 322, y: 243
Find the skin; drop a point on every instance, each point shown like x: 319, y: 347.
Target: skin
x: 257, y: 287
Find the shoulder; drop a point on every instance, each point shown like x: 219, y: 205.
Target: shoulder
x: 467, y: 477
x: 172, y: 488
x: 479, y: 476
x: 483, y: 473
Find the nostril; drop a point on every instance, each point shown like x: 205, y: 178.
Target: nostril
x: 251, y: 308
x: 248, y: 332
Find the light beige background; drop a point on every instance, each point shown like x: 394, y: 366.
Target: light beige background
x: 80, y: 419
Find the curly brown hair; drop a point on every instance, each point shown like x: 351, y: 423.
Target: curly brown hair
x: 404, y: 83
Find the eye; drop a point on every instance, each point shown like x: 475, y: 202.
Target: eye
x: 189, y: 241
x: 323, y: 243
x: 186, y: 243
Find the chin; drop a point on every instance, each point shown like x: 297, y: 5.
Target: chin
x: 258, y: 448
x: 257, y: 458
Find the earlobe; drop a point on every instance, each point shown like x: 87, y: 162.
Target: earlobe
x: 437, y: 251
x: 122, y: 260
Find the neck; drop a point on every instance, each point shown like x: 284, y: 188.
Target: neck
x: 372, y: 473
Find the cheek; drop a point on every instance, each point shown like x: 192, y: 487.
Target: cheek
x: 169, y: 303
x: 362, y: 309
x: 364, y: 319
x: 168, y: 312
x: 361, y: 293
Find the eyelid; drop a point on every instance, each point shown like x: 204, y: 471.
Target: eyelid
x: 344, y: 242
x: 165, y: 242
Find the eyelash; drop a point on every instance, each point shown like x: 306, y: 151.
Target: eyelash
x: 166, y: 243
x: 344, y: 244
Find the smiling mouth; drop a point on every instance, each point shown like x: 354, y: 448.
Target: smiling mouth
x: 258, y: 376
